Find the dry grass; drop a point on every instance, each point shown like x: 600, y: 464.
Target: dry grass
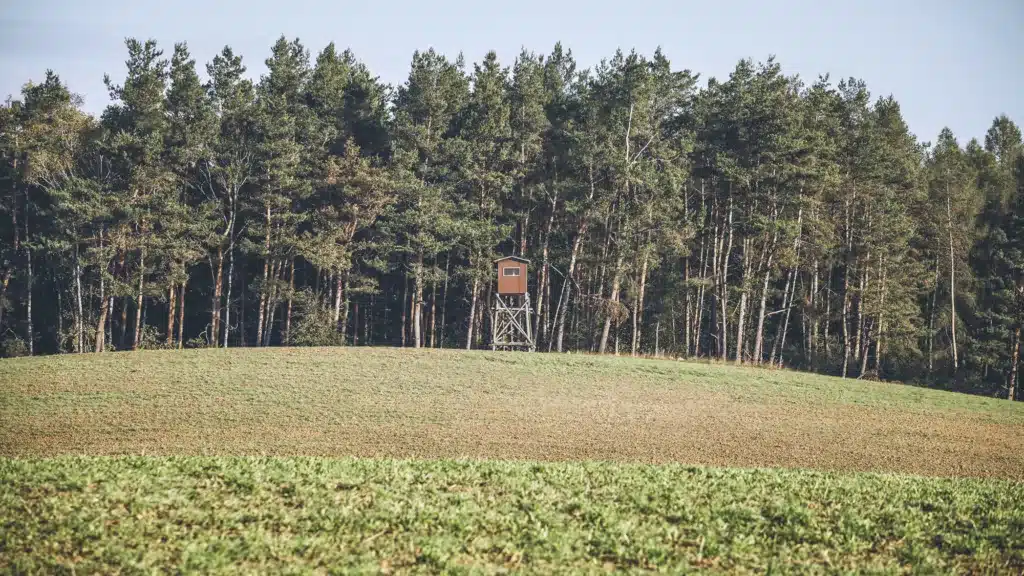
x: 403, y: 403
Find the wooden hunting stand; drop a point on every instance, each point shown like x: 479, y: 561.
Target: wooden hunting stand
x: 511, y: 328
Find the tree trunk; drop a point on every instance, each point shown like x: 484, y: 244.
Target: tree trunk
x: 100, y: 344
x: 547, y: 328
x: 337, y: 303
x: 846, y: 286
x: 524, y: 225
x: 229, y: 234
x: 109, y: 333
x: 724, y: 284
x: 828, y: 315
x: 617, y: 334
x: 172, y: 291
x: 861, y: 338
x: 699, y: 305
x: 759, y: 337
x: 181, y: 317
x: 864, y: 353
x: 787, y: 304
x: 638, y: 307
x: 291, y: 298
x: 355, y: 322
x: 60, y: 321
x: 812, y: 305
x: 268, y: 305
x: 542, y: 284
x: 138, y: 301
x: 657, y: 338
x: 931, y: 321
x: 523, y: 233
x: 266, y: 280
x: 227, y: 297
x: 4, y: 283
x: 614, y: 299
x: 559, y: 318
x: 367, y: 315
x: 28, y: 296
x: 405, y: 308
x: 417, y: 304
x: 881, y: 320
x: 80, y: 319
x: 1013, y: 368
x: 277, y: 275
x: 863, y: 319
x: 17, y: 244
x: 566, y: 291
x: 846, y: 319
x: 218, y: 281
x: 746, y: 271
x: 241, y: 310
x: 714, y: 315
x: 124, y: 321
x: 472, y: 314
x: 952, y: 281
x: 739, y: 327
x: 28, y: 267
x: 444, y: 301
x: 483, y: 318
x: 263, y: 302
x: 577, y: 317
x: 686, y: 313
x: 344, y: 308
x: 787, y: 298
x: 433, y: 311
x: 567, y: 284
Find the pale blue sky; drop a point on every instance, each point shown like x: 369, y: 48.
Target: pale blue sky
x: 949, y: 63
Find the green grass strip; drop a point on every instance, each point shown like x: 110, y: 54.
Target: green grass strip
x: 315, y: 515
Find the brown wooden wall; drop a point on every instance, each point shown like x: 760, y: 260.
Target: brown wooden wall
x: 511, y: 284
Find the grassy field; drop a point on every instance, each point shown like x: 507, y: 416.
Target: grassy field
x: 404, y: 403
x: 301, y: 515
x: 242, y: 460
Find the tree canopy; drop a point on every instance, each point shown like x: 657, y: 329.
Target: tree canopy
x: 753, y: 219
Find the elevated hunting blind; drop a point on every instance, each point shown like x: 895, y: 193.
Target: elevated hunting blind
x: 511, y: 328
x: 512, y: 275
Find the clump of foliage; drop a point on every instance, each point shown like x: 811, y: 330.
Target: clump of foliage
x: 13, y: 346
x: 316, y: 325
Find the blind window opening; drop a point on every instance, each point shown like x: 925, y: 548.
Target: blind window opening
x: 510, y: 272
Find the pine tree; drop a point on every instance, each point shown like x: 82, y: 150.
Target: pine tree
x: 137, y: 124
x: 286, y: 151
x: 186, y: 218
x: 996, y: 258
x: 951, y: 193
x: 486, y: 180
x: 426, y: 141
x: 10, y: 177
x: 62, y: 174
x: 227, y: 172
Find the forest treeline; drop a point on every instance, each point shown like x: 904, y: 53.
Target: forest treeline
x: 756, y: 219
